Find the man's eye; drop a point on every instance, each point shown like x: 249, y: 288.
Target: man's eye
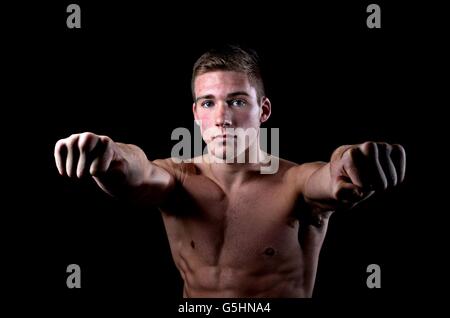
x: 207, y: 104
x: 237, y: 102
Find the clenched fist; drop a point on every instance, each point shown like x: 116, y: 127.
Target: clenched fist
x: 121, y: 170
x: 86, y: 153
x: 357, y: 171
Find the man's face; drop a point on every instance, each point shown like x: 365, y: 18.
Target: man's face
x: 225, y: 101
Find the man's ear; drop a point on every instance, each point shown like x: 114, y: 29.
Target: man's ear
x: 266, y: 109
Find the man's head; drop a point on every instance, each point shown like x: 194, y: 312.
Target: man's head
x: 230, y: 58
x: 228, y: 95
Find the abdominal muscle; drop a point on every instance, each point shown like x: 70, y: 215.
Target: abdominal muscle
x: 228, y: 282
x: 272, y: 269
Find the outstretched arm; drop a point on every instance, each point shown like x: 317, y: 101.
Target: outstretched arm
x: 120, y: 170
x: 353, y: 174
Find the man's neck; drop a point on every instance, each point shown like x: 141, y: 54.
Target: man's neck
x: 231, y: 175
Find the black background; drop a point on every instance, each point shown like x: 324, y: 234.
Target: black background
x: 126, y: 73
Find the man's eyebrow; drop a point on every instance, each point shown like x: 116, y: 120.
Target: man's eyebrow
x: 204, y: 97
x: 210, y: 96
x: 237, y: 94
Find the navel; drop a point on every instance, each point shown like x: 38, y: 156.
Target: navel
x: 192, y: 244
x: 269, y: 251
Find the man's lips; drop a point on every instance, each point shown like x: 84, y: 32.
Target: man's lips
x: 224, y: 136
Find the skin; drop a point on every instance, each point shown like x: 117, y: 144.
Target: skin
x: 233, y: 231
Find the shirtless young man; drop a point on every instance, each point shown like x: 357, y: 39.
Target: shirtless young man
x: 234, y: 231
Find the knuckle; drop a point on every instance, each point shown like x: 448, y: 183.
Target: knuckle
x: 352, y: 154
x: 388, y: 148
x: 399, y: 148
x: 71, y: 141
x: 85, y: 139
x: 383, y: 146
x: 384, y: 153
x: 368, y: 147
x: 105, y: 140
x: 59, y: 145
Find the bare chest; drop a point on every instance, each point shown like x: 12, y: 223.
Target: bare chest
x: 250, y: 223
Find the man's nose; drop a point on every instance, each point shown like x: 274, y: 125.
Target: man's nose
x: 223, y: 115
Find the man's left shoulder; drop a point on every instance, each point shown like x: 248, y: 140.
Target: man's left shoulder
x: 286, y: 169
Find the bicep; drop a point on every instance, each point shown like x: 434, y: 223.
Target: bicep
x: 160, y: 183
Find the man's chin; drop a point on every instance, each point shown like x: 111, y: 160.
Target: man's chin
x: 221, y: 154
x: 224, y: 156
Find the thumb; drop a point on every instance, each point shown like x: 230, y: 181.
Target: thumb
x: 347, y: 192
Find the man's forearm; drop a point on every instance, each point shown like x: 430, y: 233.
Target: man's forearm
x: 121, y: 170
x: 330, y: 187
x: 318, y: 190
x: 127, y: 172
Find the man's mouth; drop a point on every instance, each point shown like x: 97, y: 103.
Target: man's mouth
x: 224, y: 136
